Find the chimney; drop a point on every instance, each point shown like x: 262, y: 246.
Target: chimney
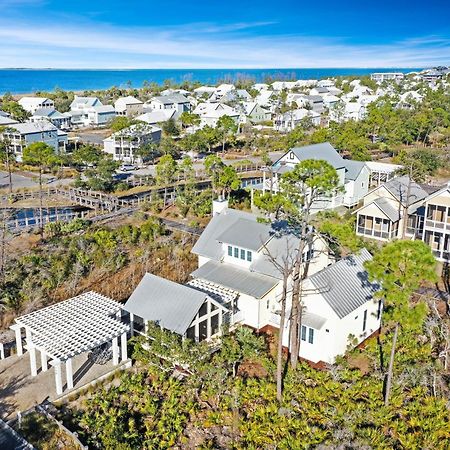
x: 219, y: 205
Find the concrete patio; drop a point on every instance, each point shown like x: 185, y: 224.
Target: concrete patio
x: 20, y: 391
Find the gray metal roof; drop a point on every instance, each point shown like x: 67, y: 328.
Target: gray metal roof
x: 32, y: 127
x: 232, y: 277
x: 345, y: 285
x: 388, y: 209
x: 170, y: 304
x: 246, y: 233
x: 171, y: 98
x: 398, y: 187
x: 208, y: 244
x: 323, y: 151
x: 353, y: 168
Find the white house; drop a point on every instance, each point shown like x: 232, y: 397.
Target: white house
x: 20, y: 135
x: 380, y: 77
x: 157, y: 116
x: 31, y: 104
x: 353, y: 175
x: 289, y: 120
x: 89, y: 111
x: 255, y: 113
x: 182, y: 309
x: 232, y: 254
x: 210, y: 113
x: 61, y: 121
x: 128, y: 106
x: 177, y: 102
x: 124, y: 144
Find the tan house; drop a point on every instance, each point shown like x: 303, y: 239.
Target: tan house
x: 436, y: 230
x: 383, y: 214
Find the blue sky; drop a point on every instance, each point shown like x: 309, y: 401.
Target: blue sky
x: 224, y: 33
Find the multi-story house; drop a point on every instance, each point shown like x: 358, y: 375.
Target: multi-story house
x: 89, y: 111
x: 177, y: 102
x: 385, y: 208
x: 436, y: 224
x: 32, y: 104
x: 237, y: 283
x: 20, y: 135
x: 61, y: 121
x: 125, y: 144
x: 128, y: 106
x: 353, y: 175
x: 379, y: 77
x: 210, y: 113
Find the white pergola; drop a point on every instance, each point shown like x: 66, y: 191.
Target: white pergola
x: 69, y: 328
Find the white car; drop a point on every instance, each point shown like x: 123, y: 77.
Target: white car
x: 127, y: 167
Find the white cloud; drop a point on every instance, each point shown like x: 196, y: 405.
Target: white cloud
x: 206, y: 45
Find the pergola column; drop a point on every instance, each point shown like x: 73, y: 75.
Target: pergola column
x: 69, y: 373
x: 123, y: 346
x: 2, y: 351
x: 32, y: 351
x: 115, y: 350
x: 58, y: 376
x: 44, y: 364
x: 18, y: 330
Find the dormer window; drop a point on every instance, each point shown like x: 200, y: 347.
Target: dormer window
x: 240, y: 253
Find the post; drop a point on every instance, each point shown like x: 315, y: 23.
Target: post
x: 69, y: 374
x: 2, y: 351
x: 58, y: 378
x: 32, y: 352
x: 18, y: 330
x: 44, y: 364
x: 115, y: 350
x: 123, y: 346
x: 131, y: 324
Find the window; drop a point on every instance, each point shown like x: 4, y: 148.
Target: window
x: 203, y: 330
x: 303, y: 333
x: 203, y: 310
x: 230, y: 250
x: 311, y: 336
x: 214, y: 324
x: 213, y: 307
x: 190, y: 333
x: 236, y: 252
x: 291, y: 155
x: 365, y: 320
x: 249, y: 256
x: 242, y: 254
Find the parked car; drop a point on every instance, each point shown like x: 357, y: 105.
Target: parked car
x: 127, y: 167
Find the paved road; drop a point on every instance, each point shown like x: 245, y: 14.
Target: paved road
x: 30, y: 181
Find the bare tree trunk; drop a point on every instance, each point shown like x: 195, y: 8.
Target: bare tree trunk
x: 391, y: 367
x: 405, y: 210
x: 41, y: 219
x: 280, y: 338
x: 8, y: 165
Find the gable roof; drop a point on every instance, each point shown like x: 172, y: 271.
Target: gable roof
x: 387, y: 208
x: 171, y: 305
x: 246, y: 233
x: 169, y: 99
x: 345, y: 285
x: 85, y: 101
x: 122, y: 102
x: 49, y: 112
x: 156, y: 116
x: 32, y: 127
x: 398, y: 187
x: 323, y: 151
x: 353, y: 168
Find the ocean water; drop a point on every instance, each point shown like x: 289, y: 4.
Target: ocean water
x: 21, y: 81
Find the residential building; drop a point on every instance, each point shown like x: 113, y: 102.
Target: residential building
x: 384, y: 209
x: 157, y: 116
x: 61, y: 121
x: 20, y: 135
x: 289, y: 120
x: 31, y: 104
x: 353, y: 175
x: 256, y: 113
x: 128, y: 106
x: 436, y: 225
x: 124, y: 144
x: 338, y: 302
x: 182, y: 309
x: 177, y: 102
x: 379, y: 77
x: 210, y: 113
x: 5, y: 119
x: 89, y: 111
